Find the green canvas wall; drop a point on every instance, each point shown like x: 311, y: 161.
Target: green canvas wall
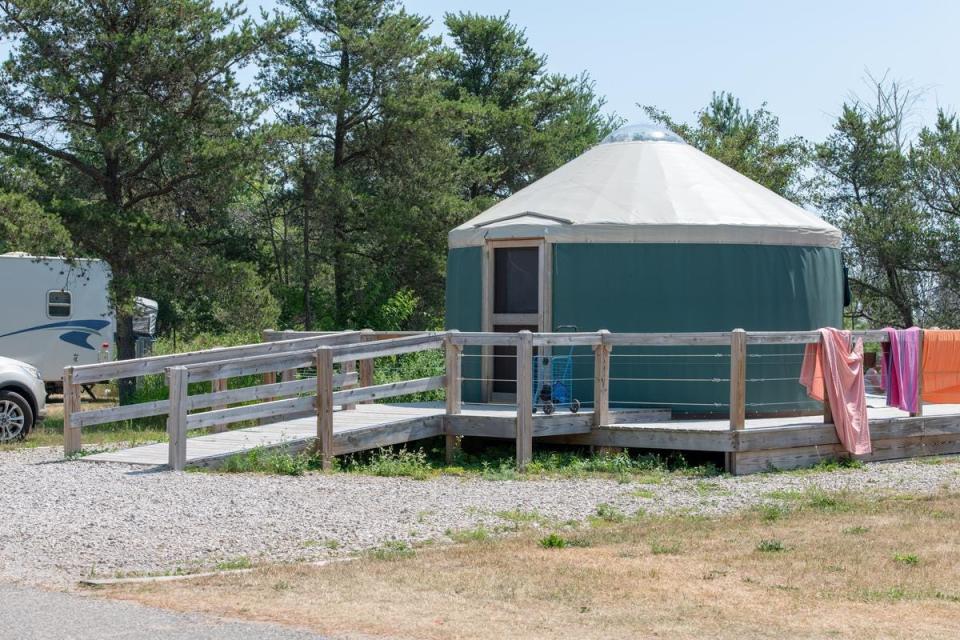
x: 464, y: 309
x: 677, y: 288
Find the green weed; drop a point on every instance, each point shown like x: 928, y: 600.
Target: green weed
x: 771, y: 546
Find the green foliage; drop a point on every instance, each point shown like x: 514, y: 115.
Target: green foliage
x: 479, y: 534
x: 554, y: 541
x: 771, y: 546
x: 772, y: 512
x: 259, y: 460
x: 747, y: 141
x: 519, y: 121
x: 837, y: 464
x: 609, y: 513
x: 664, y: 549
x: 135, y: 108
x: 234, y: 564
x: 387, y: 463
x: 26, y: 227
x: 392, y: 551
x: 908, y: 559
x: 868, y: 195
x: 857, y: 530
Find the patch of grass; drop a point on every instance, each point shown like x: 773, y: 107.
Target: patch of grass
x: 909, y: 559
x: 892, y: 594
x: 837, y: 464
x: 479, y: 534
x: 828, y: 501
x: 241, y: 562
x: 771, y: 546
x: 784, y: 494
x: 665, y: 549
x: 858, y: 530
x: 402, y: 463
x: 609, y: 513
x: 393, y: 550
x: 261, y: 460
x: 770, y: 512
x: 522, y: 518
x: 705, y: 488
x: 643, y: 493
x: 553, y: 541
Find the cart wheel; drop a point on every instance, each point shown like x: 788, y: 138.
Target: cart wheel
x: 574, y: 406
x: 548, y: 407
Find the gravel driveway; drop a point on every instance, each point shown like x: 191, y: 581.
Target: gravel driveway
x: 61, y: 521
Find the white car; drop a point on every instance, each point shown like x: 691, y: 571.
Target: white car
x: 23, y: 399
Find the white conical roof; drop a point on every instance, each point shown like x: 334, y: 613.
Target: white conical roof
x: 640, y: 187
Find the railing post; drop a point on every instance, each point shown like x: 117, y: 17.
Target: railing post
x: 346, y: 368
x: 601, y: 380
x: 324, y: 362
x: 366, y: 366
x: 177, y: 418
x: 71, y: 405
x: 453, y: 364
x: 827, y: 409
x: 738, y: 390
x: 218, y: 385
x: 738, y: 379
x: 919, y: 411
x: 524, y: 400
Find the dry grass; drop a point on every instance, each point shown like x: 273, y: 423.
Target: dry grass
x: 828, y: 566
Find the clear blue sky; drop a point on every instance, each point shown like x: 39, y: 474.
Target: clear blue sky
x: 802, y: 58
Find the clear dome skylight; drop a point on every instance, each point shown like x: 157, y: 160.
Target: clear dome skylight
x: 642, y: 133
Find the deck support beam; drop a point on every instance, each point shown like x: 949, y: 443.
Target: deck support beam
x: 524, y: 400
x: 453, y: 356
x: 738, y: 390
x: 601, y: 380
x: 324, y: 362
x: 177, y: 378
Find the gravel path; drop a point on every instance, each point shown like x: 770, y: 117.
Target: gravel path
x: 61, y: 521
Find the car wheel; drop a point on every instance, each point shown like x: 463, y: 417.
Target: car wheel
x: 16, y: 416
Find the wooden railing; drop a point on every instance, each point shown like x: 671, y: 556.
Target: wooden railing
x: 75, y: 420
x: 288, y: 352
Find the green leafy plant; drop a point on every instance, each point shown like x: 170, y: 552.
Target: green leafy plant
x: 771, y: 546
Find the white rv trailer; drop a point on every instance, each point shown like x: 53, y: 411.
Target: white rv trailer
x: 55, y: 313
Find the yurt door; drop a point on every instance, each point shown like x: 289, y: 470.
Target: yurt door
x: 516, y: 288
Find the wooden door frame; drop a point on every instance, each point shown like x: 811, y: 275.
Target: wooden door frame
x: 543, y: 319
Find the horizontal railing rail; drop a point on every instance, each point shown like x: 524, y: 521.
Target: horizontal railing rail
x: 90, y: 373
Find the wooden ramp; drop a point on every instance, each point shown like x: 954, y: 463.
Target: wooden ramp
x: 366, y: 427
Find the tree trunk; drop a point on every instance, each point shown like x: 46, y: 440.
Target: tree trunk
x: 338, y: 216
x: 126, y: 350
x: 309, y: 205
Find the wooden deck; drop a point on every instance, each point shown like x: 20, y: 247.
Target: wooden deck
x: 368, y: 426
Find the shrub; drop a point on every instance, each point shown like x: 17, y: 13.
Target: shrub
x: 771, y: 546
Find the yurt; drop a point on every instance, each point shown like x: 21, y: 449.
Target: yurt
x: 645, y: 233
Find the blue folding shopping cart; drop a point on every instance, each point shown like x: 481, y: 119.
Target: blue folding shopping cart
x: 553, y: 380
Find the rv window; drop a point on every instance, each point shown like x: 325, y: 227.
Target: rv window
x: 58, y: 304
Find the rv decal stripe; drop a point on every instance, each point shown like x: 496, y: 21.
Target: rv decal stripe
x: 78, y: 331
